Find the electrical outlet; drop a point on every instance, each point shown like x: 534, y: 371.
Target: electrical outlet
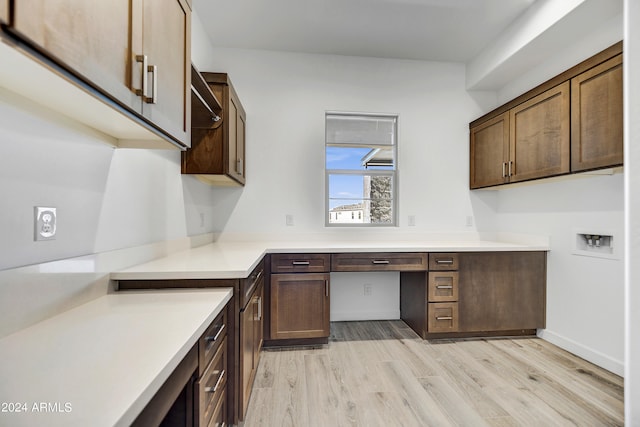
x: 289, y: 220
x: 45, y: 223
x: 412, y: 220
x: 367, y: 290
x: 469, y: 221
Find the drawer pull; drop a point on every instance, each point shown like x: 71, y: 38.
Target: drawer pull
x: 258, y: 276
x: 300, y: 263
x: 380, y: 261
x: 215, y: 337
x: 444, y: 286
x: 444, y: 318
x: 444, y: 261
x: 215, y: 387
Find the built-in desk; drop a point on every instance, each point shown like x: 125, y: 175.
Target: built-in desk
x: 499, y: 287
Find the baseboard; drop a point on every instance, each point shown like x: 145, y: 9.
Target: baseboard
x: 589, y: 354
x: 347, y: 316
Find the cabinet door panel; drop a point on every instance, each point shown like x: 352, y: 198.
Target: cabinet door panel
x: 4, y: 11
x: 166, y: 41
x: 489, y: 152
x: 540, y: 135
x: 502, y: 291
x: 596, y: 117
x: 299, y: 306
x: 90, y: 39
x: 247, y: 325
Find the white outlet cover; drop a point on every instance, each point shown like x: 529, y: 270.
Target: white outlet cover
x: 45, y: 223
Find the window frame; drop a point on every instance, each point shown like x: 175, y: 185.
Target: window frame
x: 394, y: 173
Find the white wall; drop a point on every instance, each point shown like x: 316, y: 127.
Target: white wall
x: 585, y: 295
x: 632, y: 212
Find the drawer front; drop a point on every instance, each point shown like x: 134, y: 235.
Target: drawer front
x: 443, y: 286
x: 300, y: 263
x: 442, y: 317
x: 211, y: 340
x: 248, y: 285
x: 219, y: 414
x: 375, y: 261
x: 443, y: 261
x: 212, y: 385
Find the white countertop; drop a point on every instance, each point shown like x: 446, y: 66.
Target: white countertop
x: 70, y: 362
x: 233, y: 260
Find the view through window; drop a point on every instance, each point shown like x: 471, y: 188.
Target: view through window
x: 360, y: 168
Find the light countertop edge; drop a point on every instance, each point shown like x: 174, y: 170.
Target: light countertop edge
x: 236, y: 260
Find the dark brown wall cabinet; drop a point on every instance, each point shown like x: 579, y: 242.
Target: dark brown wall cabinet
x: 136, y: 53
x: 299, y: 296
x: 568, y: 124
x: 217, y: 153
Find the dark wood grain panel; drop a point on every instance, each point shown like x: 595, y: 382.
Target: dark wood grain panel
x: 379, y: 261
x: 540, y: 136
x: 489, y: 152
x: 442, y: 317
x: 413, y: 299
x: 444, y: 261
x: 300, y: 263
x: 597, y: 117
x: 299, y: 305
x: 502, y: 291
x: 442, y: 286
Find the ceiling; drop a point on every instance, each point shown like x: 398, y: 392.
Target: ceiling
x: 438, y: 30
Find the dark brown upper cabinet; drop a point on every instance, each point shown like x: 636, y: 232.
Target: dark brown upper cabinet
x: 596, y: 117
x: 133, y: 54
x: 217, y: 153
x: 571, y: 123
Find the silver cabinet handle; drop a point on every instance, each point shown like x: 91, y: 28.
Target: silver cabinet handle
x: 143, y: 90
x: 215, y: 387
x: 444, y: 286
x: 326, y: 288
x: 380, y: 261
x: 258, y: 276
x: 504, y: 169
x: 510, y: 164
x: 444, y: 261
x: 239, y: 167
x: 153, y: 69
x: 444, y: 318
x: 216, y: 336
x: 300, y: 263
x: 259, y: 302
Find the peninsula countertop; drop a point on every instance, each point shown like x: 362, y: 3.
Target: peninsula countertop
x: 234, y: 260
x: 100, y: 363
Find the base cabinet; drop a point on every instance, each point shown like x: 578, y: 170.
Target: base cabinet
x: 299, y: 306
x: 251, y: 338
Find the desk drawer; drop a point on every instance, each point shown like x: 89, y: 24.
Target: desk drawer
x: 377, y: 261
x: 443, y: 286
x: 212, y: 385
x: 442, y: 317
x: 300, y: 263
x: 443, y: 261
x: 211, y: 341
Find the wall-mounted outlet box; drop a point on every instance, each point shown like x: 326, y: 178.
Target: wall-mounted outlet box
x: 595, y: 243
x: 45, y: 223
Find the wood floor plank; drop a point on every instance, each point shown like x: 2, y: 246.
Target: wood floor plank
x: 380, y: 373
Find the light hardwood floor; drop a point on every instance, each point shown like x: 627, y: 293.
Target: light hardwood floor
x: 380, y: 373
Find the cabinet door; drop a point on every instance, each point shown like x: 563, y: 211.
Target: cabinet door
x: 596, y: 117
x: 236, y: 126
x: 489, y: 145
x: 299, y: 305
x: 247, y: 327
x: 4, y: 11
x: 90, y: 39
x: 502, y: 291
x: 540, y: 135
x: 166, y: 39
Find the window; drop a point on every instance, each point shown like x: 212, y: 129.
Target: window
x: 360, y: 169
